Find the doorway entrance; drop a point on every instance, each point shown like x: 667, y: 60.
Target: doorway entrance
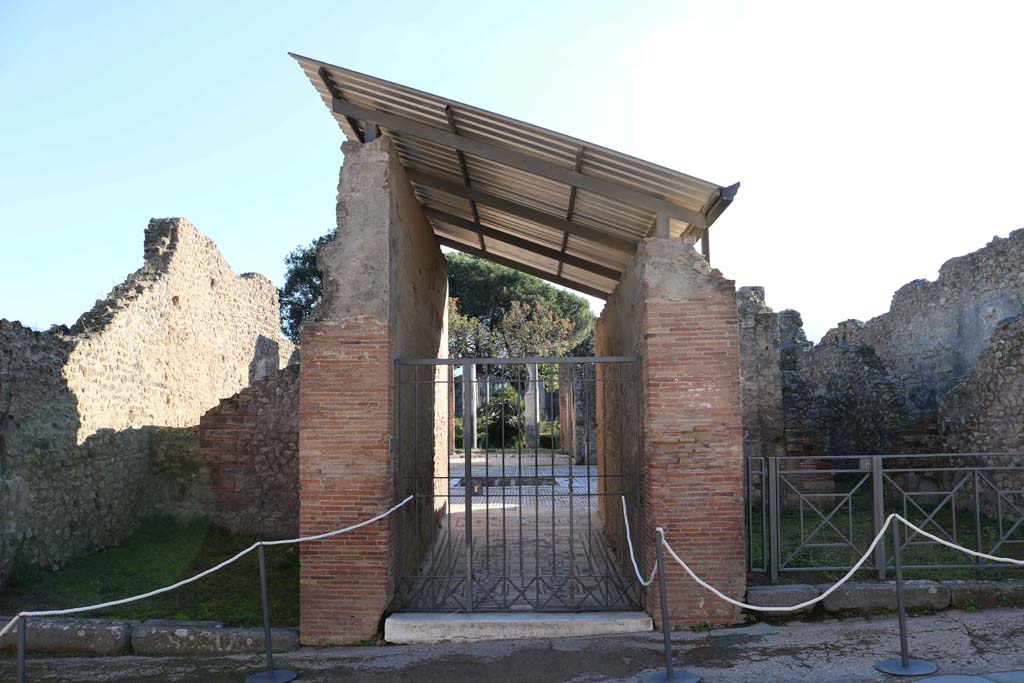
x: 519, y: 486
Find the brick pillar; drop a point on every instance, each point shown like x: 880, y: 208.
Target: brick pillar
x: 676, y: 313
x: 345, y: 477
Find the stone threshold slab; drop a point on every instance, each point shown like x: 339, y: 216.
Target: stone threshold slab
x: 423, y: 627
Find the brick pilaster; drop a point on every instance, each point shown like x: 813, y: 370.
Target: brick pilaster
x: 345, y: 476
x: 693, y: 467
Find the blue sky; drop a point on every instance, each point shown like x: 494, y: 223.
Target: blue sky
x: 873, y: 141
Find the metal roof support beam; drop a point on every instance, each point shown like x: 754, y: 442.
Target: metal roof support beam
x: 705, y: 245
x: 332, y: 87
x: 721, y: 202
x: 524, y: 212
x: 661, y: 227
x: 514, y: 265
x: 450, y: 115
x: 524, y: 244
x: 370, y: 131
x: 572, y: 203
x: 523, y: 162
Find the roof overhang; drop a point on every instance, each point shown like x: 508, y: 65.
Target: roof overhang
x: 560, y: 208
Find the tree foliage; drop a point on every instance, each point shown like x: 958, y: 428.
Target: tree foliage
x: 496, y: 311
x: 485, y: 291
x: 303, y: 286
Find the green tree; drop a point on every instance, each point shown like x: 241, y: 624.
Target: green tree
x: 485, y: 291
x: 303, y: 286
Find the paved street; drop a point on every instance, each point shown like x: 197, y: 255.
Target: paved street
x: 833, y: 651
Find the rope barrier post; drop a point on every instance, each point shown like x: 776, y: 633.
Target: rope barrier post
x: 271, y: 675
x: 669, y: 674
x: 22, y: 640
x: 904, y: 666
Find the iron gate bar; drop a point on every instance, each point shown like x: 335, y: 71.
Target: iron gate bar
x: 434, y: 578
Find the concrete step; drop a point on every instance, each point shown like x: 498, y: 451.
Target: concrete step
x: 425, y: 627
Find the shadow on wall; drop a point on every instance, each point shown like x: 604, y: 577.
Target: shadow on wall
x: 265, y: 358
x: 60, y: 499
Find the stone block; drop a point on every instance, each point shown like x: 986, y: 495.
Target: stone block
x: 986, y: 594
x: 410, y: 628
x: 71, y: 636
x: 782, y: 596
x: 206, y: 638
x: 868, y: 598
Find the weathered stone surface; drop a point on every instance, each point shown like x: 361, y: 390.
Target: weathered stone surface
x: 933, y: 333
x: 783, y: 595
x: 760, y: 376
x: 250, y: 446
x: 412, y: 628
x: 206, y: 638
x: 97, y: 420
x: 941, y: 371
x: 985, y: 594
x: 867, y: 598
x: 71, y: 636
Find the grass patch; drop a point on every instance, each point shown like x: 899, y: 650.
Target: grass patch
x: 160, y: 553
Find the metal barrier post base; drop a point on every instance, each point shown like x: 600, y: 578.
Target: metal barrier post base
x: 278, y: 676
x: 914, y: 667
x: 677, y: 677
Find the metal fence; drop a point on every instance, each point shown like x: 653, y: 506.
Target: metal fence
x: 819, y: 514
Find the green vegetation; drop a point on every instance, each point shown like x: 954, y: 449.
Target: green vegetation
x: 501, y: 420
x: 161, y: 553
x: 303, y: 286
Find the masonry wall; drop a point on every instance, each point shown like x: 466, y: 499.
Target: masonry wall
x: 385, y: 296
x: 933, y: 333
x: 249, y: 444
x: 760, y: 375
x: 682, y: 319
x: 985, y: 414
x: 97, y: 420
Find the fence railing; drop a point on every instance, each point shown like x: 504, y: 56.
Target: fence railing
x: 818, y: 514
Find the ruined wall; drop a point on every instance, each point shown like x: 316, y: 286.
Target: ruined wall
x: 760, y: 375
x: 96, y: 420
x: 985, y: 412
x: 876, y: 387
x: 249, y: 444
x: 934, y: 332
x: 838, y: 396
x: 177, y: 336
x: 385, y: 296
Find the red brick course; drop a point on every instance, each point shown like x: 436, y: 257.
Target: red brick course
x: 345, y: 476
x: 693, y: 464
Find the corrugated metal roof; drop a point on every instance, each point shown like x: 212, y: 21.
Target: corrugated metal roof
x: 520, y: 198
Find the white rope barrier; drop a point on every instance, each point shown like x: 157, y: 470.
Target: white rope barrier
x: 853, y: 570
x: 954, y: 546
x: 211, y: 570
x: 806, y: 603
x: 632, y: 554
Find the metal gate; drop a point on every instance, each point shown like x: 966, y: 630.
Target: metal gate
x: 519, y: 508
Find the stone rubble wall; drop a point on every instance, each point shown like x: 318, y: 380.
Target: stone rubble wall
x: 250, y: 445
x: 985, y: 414
x: 881, y: 387
x: 97, y: 421
x: 760, y: 376
x: 933, y: 333
x: 839, y: 397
